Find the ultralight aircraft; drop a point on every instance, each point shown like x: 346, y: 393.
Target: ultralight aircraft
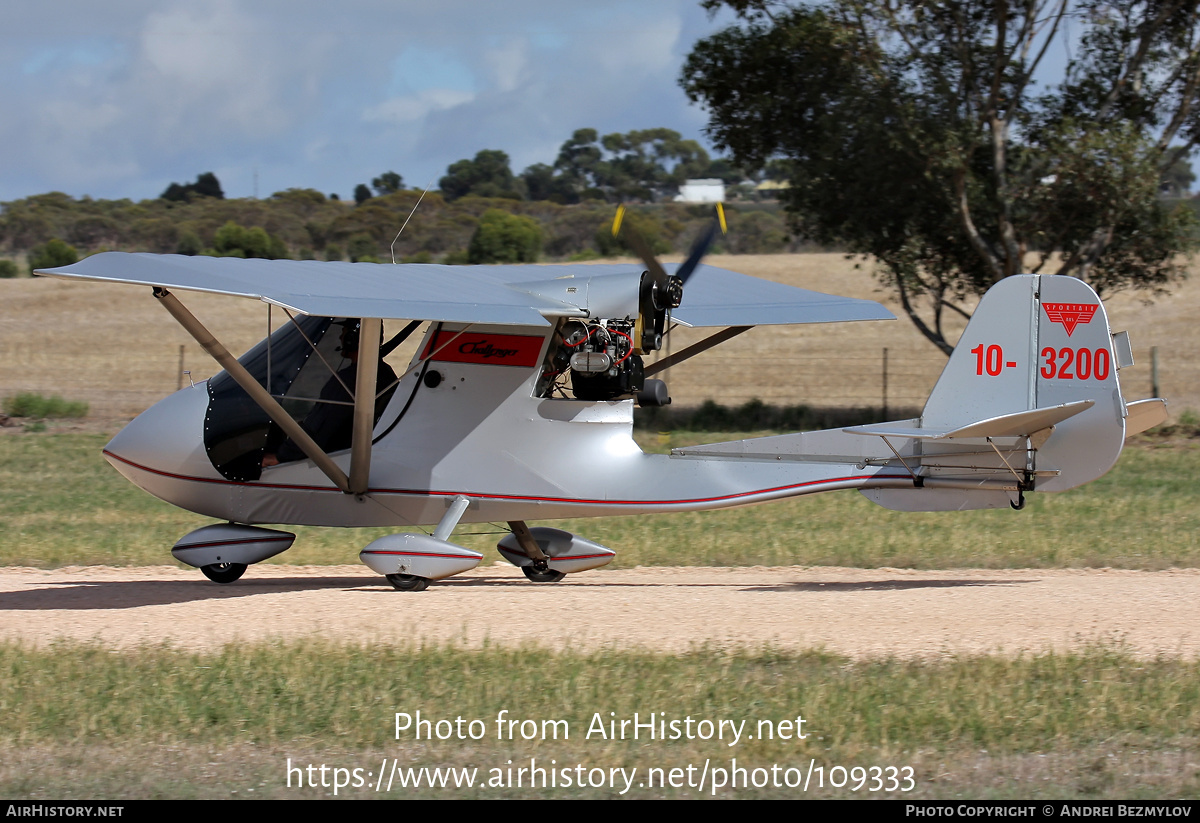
x: 518, y: 406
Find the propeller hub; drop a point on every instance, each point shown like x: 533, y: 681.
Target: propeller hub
x: 668, y: 294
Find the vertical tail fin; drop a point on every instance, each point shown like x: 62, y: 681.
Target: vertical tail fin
x: 1038, y: 341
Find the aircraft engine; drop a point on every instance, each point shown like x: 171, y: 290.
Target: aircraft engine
x: 600, y: 356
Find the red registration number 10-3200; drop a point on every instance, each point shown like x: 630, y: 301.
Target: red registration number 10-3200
x: 1062, y: 364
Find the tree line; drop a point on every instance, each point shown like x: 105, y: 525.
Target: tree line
x: 481, y: 212
x: 645, y: 166
x: 55, y: 229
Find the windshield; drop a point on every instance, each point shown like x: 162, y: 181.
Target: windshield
x: 293, y: 364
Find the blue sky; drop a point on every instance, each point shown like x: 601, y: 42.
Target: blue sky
x: 120, y: 98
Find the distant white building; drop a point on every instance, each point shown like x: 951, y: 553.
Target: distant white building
x: 702, y: 191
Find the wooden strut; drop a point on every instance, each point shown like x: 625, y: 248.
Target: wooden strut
x: 694, y: 349
x: 526, y: 541
x: 251, y: 386
x: 370, y: 333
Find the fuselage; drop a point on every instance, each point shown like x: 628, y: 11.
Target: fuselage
x: 478, y: 429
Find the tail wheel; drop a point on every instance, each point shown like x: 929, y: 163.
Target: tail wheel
x: 224, y: 572
x: 546, y: 575
x: 408, y: 582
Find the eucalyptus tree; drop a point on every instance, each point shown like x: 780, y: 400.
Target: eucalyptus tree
x: 959, y: 142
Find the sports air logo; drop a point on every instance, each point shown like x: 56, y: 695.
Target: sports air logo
x: 1070, y: 314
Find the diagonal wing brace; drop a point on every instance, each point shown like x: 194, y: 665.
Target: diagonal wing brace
x: 260, y: 396
x: 694, y: 349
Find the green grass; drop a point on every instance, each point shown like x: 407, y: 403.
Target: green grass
x: 1040, y: 725
x: 62, y: 504
x: 326, y: 690
x: 29, y: 404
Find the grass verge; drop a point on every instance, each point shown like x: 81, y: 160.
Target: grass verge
x: 30, y: 404
x: 1099, y: 723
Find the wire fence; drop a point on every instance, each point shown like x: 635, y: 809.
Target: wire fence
x: 117, y: 385
x: 855, y: 380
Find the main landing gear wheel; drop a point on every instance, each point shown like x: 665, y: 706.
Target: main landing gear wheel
x: 408, y: 582
x: 546, y: 575
x: 223, y: 572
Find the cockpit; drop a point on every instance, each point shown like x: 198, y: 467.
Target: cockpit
x: 309, y: 366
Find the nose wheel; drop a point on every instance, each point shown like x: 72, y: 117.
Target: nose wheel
x: 223, y: 572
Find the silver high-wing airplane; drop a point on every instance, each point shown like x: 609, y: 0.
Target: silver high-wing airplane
x: 518, y: 406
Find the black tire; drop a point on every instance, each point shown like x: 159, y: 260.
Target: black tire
x: 408, y: 582
x: 224, y: 572
x: 542, y: 575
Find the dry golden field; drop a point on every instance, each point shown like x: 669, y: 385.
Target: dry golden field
x: 111, y: 346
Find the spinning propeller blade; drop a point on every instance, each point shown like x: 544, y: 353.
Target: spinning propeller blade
x: 700, y: 247
x: 664, y: 292
x: 635, y: 240
x: 638, y: 243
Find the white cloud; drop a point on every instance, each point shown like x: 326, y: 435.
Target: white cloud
x: 647, y: 47
x: 204, y: 68
x: 507, y: 65
x: 415, y: 107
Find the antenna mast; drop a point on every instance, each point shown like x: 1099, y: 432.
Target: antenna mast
x: 410, y: 215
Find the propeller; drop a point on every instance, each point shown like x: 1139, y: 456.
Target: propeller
x: 662, y: 292
x: 700, y: 247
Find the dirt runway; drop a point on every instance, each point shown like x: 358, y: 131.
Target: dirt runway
x: 857, y: 612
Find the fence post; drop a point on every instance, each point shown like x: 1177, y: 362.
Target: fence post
x: 179, y: 377
x: 1154, y: 372
x: 885, y: 376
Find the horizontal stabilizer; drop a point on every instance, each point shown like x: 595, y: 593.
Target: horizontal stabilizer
x: 1145, y: 414
x: 1017, y: 424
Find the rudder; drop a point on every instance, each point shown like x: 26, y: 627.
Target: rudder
x: 1034, y: 342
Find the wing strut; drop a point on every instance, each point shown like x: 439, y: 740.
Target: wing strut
x: 696, y: 348
x: 370, y: 334
x: 257, y: 393
x: 526, y: 541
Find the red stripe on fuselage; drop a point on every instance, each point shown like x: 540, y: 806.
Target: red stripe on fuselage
x: 515, y: 497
